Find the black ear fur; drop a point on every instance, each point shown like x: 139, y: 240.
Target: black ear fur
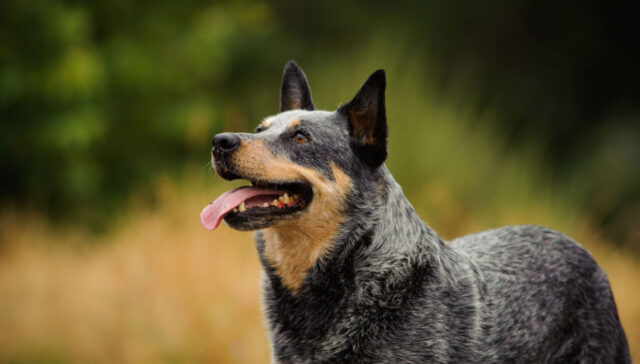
x: 368, y: 120
x: 295, y: 92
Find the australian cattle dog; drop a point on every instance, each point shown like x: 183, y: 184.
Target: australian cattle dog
x: 353, y: 275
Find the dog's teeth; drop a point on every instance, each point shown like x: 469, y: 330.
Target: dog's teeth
x: 265, y: 205
x: 281, y: 199
x: 274, y: 203
x: 286, y: 198
x: 235, y: 210
x: 242, y: 208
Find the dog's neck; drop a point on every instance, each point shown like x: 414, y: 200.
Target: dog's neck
x: 292, y: 249
x: 399, y: 231
x: 370, y: 224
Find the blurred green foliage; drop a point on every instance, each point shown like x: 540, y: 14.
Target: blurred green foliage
x: 97, y: 98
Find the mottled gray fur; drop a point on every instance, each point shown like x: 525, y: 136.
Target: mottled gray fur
x: 521, y: 294
x: 392, y: 291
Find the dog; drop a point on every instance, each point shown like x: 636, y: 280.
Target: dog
x: 353, y: 275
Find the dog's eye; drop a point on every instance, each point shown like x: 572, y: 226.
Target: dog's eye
x: 259, y: 129
x: 300, y: 138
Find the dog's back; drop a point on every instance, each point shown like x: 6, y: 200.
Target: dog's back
x: 546, y: 298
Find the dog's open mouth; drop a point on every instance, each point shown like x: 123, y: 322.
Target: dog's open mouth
x: 257, y: 206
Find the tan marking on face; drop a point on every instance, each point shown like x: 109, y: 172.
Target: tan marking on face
x: 267, y: 122
x: 294, y: 122
x: 293, y: 246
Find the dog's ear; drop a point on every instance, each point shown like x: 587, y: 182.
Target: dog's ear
x: 368, y: 120
x: 295, y: 92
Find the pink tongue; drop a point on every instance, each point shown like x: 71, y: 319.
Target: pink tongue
x: 211, y: 215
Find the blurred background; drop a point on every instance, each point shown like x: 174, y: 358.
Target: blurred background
x: 499, y: 113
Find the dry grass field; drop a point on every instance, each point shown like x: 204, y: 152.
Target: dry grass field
x: 159, y: 288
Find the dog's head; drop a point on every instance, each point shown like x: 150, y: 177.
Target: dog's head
x: 302, y: 164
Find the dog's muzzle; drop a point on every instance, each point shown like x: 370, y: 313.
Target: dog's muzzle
x: 225, y: 143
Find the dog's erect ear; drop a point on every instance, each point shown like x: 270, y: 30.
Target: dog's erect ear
x: 368, y: 120
x: 295, y: 92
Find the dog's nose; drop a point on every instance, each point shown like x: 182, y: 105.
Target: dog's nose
x: 226, y: 142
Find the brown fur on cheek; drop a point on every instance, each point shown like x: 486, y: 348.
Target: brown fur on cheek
x: 293, y: 246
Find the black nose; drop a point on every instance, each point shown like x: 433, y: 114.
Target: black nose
x: 226, y: 142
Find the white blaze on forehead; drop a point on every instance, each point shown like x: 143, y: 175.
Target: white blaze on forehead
x: 291, y: 118
x: 268, y: 121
